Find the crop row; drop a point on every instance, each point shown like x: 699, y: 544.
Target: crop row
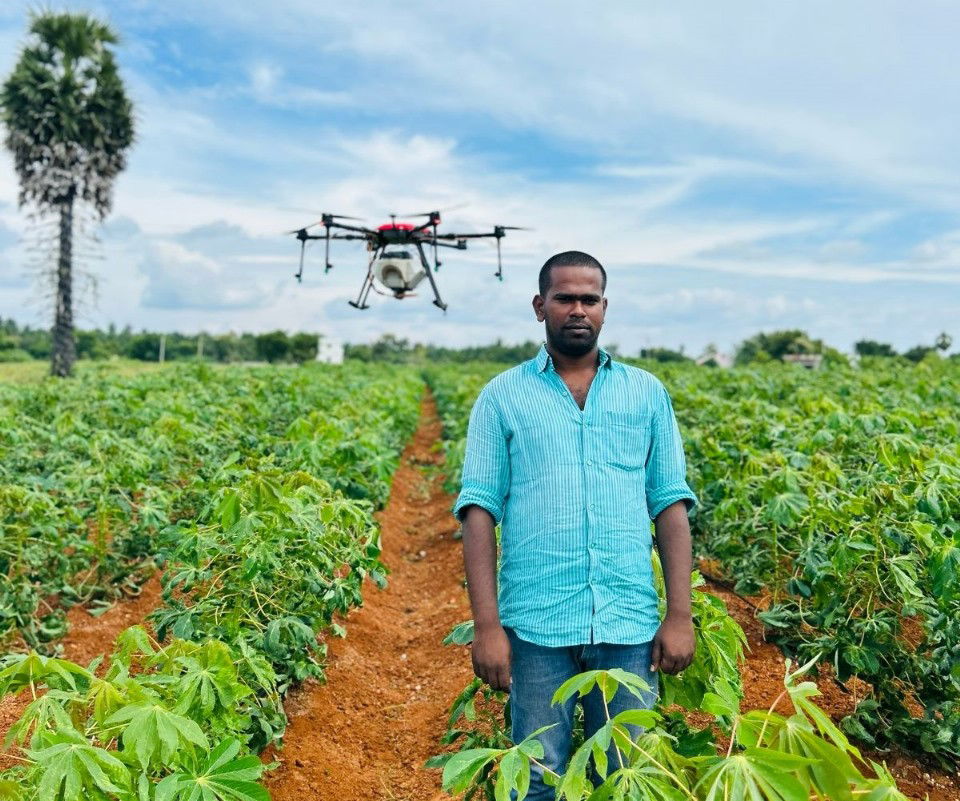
x: 837, y: 495
x: 92, y: 470
x: 767, y: 757
x: 275, y: 538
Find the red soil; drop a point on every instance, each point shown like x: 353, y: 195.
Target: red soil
x: 367, y: 732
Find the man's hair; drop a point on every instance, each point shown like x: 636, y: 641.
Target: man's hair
x: 569, y: 258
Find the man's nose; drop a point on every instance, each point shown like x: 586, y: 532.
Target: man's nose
x: 578, y: 310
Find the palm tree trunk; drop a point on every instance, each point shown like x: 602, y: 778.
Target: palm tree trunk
x: 64, y: 348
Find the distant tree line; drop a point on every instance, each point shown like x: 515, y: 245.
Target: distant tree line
x: 22, y: 343
x: 775, y: 345
x: 390, y: 348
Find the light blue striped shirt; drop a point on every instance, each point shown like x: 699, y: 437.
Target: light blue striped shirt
x: 574, y: 491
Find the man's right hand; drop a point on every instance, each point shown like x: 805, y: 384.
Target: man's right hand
x: 491, y: 656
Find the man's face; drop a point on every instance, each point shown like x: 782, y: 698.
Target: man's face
x: 573, y: 309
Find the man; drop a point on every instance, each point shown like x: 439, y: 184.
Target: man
x: 574, y: 454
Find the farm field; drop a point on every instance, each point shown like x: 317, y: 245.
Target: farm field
x: 271, y: 481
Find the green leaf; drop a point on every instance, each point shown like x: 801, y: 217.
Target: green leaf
x: 47, y: 712
x: 606, y: 680
x: 133, y: 640
x: 787, y: 508
x: 462, y: 768
x: 154, y: 733
x: 221, y: 777
x: 32, y: 669
x: 461, y: 634
x: 70, y: 767
x: 757, y: 774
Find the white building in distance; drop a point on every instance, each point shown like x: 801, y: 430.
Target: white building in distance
x: 329, y: 351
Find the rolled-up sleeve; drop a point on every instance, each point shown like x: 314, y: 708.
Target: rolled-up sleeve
x: 486, y: 466
x: 666, y: 466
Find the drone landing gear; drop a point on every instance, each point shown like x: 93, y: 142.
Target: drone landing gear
x: 361, y: 301
x: 437, y: 300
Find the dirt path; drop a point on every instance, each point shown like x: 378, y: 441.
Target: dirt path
x: 366, y: 733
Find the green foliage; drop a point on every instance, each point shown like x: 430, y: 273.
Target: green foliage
x: 93, y: 473
x: 919, y: 352
x: 143, y: 730
x: 259, y: 553
x: 273, y: 346
x: 775, y: 345
x: 67, y: 117
x: 303, y: 347
x: 868, y: 347
x: 837, y: 493
x: 770, y: 758
x: 663, y: 355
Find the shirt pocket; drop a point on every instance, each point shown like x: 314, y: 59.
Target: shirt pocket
x: 626, y: 438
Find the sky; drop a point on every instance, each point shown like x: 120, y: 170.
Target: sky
x: 737, y: 166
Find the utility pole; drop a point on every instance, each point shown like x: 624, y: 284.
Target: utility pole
x: 163, y: 347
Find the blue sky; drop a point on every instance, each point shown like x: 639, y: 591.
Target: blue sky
x: 736, y: 166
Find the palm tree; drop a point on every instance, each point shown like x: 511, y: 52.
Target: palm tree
x: 68, y: 124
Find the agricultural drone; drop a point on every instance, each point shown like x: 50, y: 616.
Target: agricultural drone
x: 395, y: 249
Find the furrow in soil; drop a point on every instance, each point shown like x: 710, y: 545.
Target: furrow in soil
x: 366, y: 732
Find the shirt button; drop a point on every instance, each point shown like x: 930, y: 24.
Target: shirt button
x: 593, y: 506
x: 589, y: 461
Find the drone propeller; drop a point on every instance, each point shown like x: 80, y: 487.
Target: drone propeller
x: 445, y: 209
x: 302, y: 232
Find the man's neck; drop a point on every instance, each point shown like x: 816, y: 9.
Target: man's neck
x: 563, y: 363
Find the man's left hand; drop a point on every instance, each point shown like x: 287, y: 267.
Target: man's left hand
x: 673, y: 645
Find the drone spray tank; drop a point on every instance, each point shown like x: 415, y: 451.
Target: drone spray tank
x: 398, y: 271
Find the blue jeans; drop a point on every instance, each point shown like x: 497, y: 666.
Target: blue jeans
x: 537, y: 671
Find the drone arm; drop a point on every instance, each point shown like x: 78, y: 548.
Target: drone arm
x: 466, y: 236
x: 334, y: 236
x: 330, y: 223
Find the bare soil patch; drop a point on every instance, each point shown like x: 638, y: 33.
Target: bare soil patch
x: 366, y: 733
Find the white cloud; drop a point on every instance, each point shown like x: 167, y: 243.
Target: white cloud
x: 179, y: 278
x: 942, y: 252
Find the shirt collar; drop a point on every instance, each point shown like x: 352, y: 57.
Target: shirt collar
x: 544, y: 360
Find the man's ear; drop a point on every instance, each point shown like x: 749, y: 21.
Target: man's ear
x: 538, y: 308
